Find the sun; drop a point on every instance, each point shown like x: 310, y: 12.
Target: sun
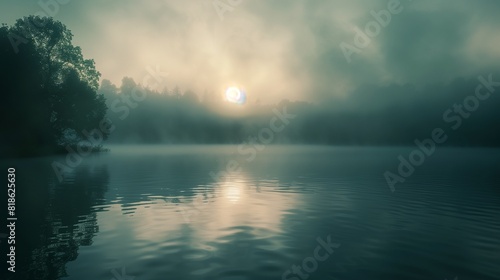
x: 235, y: 95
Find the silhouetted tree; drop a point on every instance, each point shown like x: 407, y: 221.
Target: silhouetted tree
x: 50, y: 91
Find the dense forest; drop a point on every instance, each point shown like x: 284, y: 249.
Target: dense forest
x: 52, y: 102
x: 370, y: 115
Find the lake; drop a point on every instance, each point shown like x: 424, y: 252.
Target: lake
x: 287, y: 212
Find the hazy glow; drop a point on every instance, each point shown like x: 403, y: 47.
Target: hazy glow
x: 235, y: 95
x: 278, y: 50
x: 230, y: 204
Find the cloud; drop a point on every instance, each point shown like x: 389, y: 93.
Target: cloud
x: 281, y: 49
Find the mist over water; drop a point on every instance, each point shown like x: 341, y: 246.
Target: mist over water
x: 154, y: 212
x: 372, y: 115
x: 250, y: 140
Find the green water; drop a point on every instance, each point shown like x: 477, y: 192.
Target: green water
x: 155, y: 212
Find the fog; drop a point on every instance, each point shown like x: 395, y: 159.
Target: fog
x: 350, y: 72
x: 279, y: 49
x: 370, y: 115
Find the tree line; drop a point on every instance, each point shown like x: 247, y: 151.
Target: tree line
x: 370, y: 115
x: 52, y: 101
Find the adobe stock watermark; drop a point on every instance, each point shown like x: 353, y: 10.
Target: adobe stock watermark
x: 362, y: 39
x: 48, y: 8
x: 223, y: 6
x: 255, y: 144
x: 454, y: 116
x: 310, y: 264
x: 95, y: 137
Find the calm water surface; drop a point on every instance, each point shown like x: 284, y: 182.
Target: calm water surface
x: 155, y: 212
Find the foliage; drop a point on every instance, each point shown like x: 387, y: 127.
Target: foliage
x: 50, y: 90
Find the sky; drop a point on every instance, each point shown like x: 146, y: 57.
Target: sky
x: 279, y: 49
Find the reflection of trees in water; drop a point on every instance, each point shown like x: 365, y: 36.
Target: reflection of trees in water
x: 67, y: 222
